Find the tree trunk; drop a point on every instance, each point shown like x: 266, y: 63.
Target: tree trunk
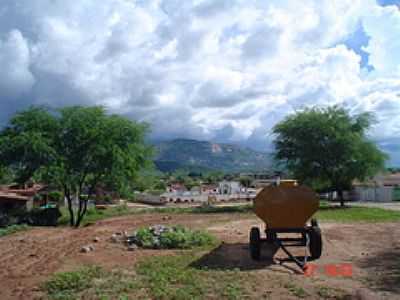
x: 82, y: 211
x: 70, y: 209
x: 341, y: 198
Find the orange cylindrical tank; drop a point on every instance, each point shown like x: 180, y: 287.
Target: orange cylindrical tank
x: 285, y: 206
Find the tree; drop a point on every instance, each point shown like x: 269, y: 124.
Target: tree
x: 245, y: 181
x: 213, y: 177
x: 6, y: 176
x: 328, y: 147
x: 76, y: 148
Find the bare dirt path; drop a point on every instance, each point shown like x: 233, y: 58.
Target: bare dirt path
x: 373, y: 250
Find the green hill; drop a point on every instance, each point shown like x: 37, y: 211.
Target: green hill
x: 203, y: 156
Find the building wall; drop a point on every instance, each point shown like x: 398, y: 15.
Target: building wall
x: 229, y: 187
x: 376, y: 194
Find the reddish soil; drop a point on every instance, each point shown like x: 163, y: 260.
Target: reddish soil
x: 373, y: 250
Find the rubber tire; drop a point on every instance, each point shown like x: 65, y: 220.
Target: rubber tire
x: 255, y: 243
x: 315, y: 245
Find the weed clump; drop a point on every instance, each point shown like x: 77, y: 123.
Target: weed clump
x: 176, y: 237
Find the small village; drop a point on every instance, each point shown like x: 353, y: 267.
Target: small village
x: 383, y: 188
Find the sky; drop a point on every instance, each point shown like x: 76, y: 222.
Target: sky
x: 222, y: 70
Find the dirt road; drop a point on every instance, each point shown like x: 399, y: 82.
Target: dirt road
x: 372, y: 250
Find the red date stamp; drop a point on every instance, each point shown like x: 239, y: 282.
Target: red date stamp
x: 332, y: 270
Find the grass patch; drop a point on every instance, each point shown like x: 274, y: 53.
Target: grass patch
x: 295, y: 290
x: 357, y: 214
x: 90, y: 282
x: 12, y: 229
x: 325, y: 292
x: 325, y: 213
x: 172, y: 277
x: 93, y: 215
x: 246, y: 208
x: 160, y: 277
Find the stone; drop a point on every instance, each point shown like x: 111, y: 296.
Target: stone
x: 115, y: 238
x: 87, y: 249
x: 157, y: 230
x: 96, y: 239
x: 166, y: 218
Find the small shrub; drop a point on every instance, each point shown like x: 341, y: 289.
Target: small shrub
x: 107, y: 199
x: 177, y: 237
x: 145, y: 238
x: 56, y: 196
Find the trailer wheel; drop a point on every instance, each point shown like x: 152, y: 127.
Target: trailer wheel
x: 315, y: 245
x: 255, y: 243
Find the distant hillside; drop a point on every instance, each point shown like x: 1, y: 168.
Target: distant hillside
x: 203, y: 156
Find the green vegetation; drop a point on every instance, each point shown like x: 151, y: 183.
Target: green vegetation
x: 165, y: 277
x: 90, y: 282
x: 12, y: 229
x: 325, y: 213
x: 177, y: 237
x: 173, y: 277
x: 357, y: 214
x: 325, y: 292
x: 6, y: 175
x: 94, y: 214
x: 295, y: 290
x: 327, y: 148
x: 177, y: 276
x: 75, y: 149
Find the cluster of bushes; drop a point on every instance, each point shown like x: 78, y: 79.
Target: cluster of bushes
x: 176, y: 237
x: 36, y: 217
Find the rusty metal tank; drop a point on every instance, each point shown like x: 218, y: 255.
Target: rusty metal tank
x: 285, y: 206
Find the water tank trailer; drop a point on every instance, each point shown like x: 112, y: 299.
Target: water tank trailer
x: 286, y: 208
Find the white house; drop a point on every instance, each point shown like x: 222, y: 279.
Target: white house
x: 229, y: 187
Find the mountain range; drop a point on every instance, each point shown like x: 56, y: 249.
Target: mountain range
x: 194, y: 155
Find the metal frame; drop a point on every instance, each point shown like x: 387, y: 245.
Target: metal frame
x: 303, y: 241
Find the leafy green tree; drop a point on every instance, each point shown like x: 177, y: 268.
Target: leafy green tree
x: 245, y: 181
x: 6, y: 175
x: 328, y: 147
x: 75, y: 148
x: 213, y: 177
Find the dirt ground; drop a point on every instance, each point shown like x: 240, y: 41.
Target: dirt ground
x: 371, y: 251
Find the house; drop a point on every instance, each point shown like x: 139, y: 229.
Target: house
x: 210, y: 189
x: 176, y: 188
x: 382, y: 188
x: 14, y: 197
x: 229, y: 187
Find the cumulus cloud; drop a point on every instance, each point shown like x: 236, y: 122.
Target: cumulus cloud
x: 223, y: 70
x: 17, y: 79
